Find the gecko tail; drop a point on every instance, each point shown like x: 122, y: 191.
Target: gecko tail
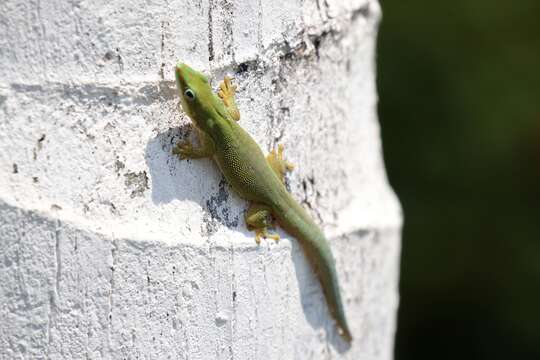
x: 326, y: 272
x: 293, y: 218
x: 321, y: 259
x: 345, y: 332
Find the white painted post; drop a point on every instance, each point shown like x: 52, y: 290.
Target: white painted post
x: 112, y: 248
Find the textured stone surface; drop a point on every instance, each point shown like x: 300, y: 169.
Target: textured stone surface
x: 112, y: 248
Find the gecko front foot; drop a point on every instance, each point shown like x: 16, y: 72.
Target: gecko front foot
x: 226, y: 92
x: 184, y: 150
x: 278, y: 163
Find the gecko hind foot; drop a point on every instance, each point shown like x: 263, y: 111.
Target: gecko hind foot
x: 263, y: 233
x: 258, y: 218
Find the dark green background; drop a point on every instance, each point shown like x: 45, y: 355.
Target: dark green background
x: 459, y: 85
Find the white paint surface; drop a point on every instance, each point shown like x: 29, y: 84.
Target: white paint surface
x: 112, y: 248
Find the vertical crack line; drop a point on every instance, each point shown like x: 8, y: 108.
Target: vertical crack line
x: 162, y: 51
x: 318, y: 3
x: 229, y: 27
x: 21, y: 282
x: 288, y: 297
x: 259, y: 26
x: 210, y: 35
x: 43, y: 30
x: 114, y: 249
x: 266, y: 286
x: 327, y: 9
x: 215, y: 290
x: 257, y: 321
x: 233, y: 317
x: 54, y: 294
x: 50, y: 320
x: 58, y: 258
x: 40, y: 19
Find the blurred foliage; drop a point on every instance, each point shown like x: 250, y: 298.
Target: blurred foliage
x: 459, y: 85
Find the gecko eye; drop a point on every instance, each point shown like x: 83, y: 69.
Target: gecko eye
x: 189, y: 94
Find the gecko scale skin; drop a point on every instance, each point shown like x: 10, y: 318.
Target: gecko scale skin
x: 254, y: 177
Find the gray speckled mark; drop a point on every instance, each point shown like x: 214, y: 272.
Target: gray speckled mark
x: 136, y: 182
x: 218, y: 208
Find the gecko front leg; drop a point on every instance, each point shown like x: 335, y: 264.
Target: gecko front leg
x: 186, y: 150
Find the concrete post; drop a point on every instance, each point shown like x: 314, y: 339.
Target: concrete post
x: 111, y: 248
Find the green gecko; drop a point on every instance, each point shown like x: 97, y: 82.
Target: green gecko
x: 257, y: 179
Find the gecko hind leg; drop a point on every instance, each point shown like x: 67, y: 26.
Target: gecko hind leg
x: 226, y: 92
x: 258, y: 218
x: 278, y: 163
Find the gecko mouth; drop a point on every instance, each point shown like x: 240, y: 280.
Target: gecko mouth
x: 179, y: 74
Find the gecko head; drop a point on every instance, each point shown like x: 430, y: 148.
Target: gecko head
x: 195, y: 95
